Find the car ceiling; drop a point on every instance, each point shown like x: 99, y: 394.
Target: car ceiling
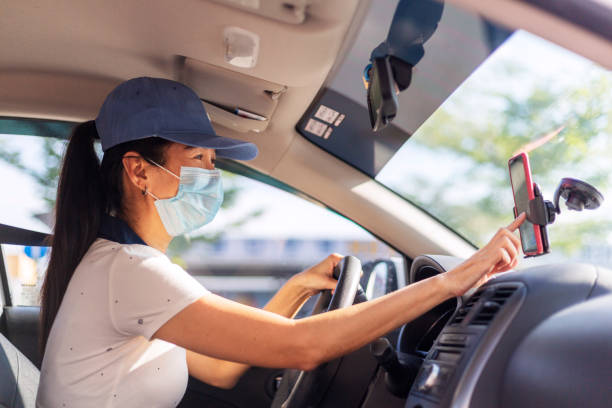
x: 60, y: 59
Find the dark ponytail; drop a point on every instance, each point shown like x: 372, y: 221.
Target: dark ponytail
x: 77, y: 219
x: 86, y: 191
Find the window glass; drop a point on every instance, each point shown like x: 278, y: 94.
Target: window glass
x: 25, y: 267
x: 29, y: 168
x: 264, y: 235
x: 479, y: 95
x: 530, y: 94
x: 460, y: 41
x: 261, y: 236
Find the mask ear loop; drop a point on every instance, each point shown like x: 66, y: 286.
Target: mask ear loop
x: 163, y: 168
x: 146, y: 189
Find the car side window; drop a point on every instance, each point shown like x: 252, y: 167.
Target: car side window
x: 25, y: 267
x: 29, y: 166
x: 261, y: 236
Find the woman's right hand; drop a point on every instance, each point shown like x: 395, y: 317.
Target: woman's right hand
x: 500, y: 254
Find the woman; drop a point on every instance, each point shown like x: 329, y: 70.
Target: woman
x: 123, y: 326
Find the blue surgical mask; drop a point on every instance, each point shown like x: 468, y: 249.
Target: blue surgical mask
x: 196, y: 203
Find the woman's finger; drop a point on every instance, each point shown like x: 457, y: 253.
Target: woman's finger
x: 514, y: 239
x: 508, y: 257
x: 330, y: 284
x: 504, y: 268
x: 514, y: 263
x: 504, y: 259
x: 335, y: 258
x: 517, y: 222
x: 510, y: 248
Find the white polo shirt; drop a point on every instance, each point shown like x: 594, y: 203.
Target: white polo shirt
x: 100, y: 352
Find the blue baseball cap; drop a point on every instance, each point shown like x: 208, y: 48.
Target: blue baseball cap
x: 156, y: 107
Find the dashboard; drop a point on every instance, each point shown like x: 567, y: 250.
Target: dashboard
x: 537, y: 337
x: 519, y: 340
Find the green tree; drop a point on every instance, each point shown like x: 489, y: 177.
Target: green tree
x: 482, y: 129
x: 46, y: 171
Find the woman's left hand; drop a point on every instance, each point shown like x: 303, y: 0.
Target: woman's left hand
x: 318, y: 277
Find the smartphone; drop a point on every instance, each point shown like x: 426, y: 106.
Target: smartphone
x: 522, y: 189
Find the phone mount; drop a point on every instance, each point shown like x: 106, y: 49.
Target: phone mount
x: 391, y: 62
x: 577, y: 194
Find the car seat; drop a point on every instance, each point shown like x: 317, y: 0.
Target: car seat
x: 18, y: 377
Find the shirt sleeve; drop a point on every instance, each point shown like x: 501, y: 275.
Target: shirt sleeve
x: 147, y: 291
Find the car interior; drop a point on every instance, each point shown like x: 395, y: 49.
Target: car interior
x: 265, y: 70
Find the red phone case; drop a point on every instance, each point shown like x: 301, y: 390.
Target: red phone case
x: 531, y: 196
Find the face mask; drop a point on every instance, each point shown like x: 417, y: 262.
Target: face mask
x: 196, y: 203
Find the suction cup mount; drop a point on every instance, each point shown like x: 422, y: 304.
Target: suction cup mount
x: 577, y: 194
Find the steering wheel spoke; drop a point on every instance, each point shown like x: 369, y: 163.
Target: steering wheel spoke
x: 299, y: 388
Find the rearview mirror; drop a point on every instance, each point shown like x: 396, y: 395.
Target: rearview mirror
x: 382, y: 94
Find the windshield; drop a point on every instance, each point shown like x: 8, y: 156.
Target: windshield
x: 456, y: 165
x: 453, y: 157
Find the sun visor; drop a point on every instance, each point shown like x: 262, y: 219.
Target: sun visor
x: 341, y: 126
x: 233, y: 100
x: 287, y: 11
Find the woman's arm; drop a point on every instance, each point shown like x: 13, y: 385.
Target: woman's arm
x: 286, y: 302
x: 217, y: 327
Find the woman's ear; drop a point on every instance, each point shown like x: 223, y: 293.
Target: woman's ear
x: 135, y: 169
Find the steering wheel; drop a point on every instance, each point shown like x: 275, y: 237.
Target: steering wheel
x: 300, y: 388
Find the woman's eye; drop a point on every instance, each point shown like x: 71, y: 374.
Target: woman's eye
x: 199, y: 157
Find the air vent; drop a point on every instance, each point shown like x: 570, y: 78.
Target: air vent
x: 465, y: 309
x: 460, y: 316
x: 501, y: 294
x: 492, y: 305
x: 474, y: 299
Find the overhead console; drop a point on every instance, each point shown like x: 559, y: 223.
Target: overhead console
x: 233, y: 100
x: 287, y: 11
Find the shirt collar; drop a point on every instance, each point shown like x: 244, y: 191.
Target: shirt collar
x: 117, y: 230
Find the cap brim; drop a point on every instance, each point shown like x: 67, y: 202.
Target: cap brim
x: 224, y: 146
